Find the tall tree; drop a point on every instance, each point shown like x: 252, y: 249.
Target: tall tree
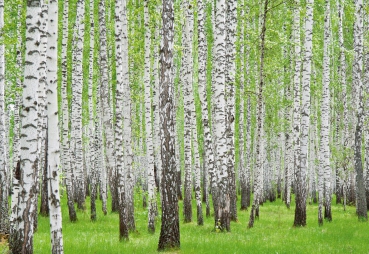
x: 361, y: 206
x: 222, y: 205
x: 325, y: 175
x: 301, y: 192
x: 106, y: 112
x: 231, y: 23
x: 148, y: 121
x: 169, y: 234
x: 300, y: 212
x: 22, y: 233
x: 53, y: 155
x: 4, y: 218
x: 208, y: 157
x: 66, y: 160
x: 77, y: 86
x: 258, y: 173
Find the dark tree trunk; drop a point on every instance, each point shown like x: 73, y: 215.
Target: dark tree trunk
x: 169, y: 233
x: 114, y: 193
x: 361, y: 207
x: 179, y: 185
x: 44, y: 208
x: 244, y: 197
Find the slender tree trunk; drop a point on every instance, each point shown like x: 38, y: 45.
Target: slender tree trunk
x: 107, y: 122
x: 258, y: 172
x: 127, y: 125
x: 66, y: 143
x: 366, y: 88
x: 169, y: 234
x: 222, y: 206
x: 208, y: 158
x: 149, y: 139
x: 77, y: 86
x: 92, y: 146
x: 22, y: 236
x: 4, y: 218
x: 301, y: 192
x: 361, y: 206
x: 324, y: 167
x: 53, y: 144
x: 231, y: 23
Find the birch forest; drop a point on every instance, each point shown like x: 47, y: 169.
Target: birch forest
x: 181, y: 115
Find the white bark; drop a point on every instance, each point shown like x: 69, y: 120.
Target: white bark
x: 231, y: 23
x: 4, y: 219
x: 305, y: 118
x: 222, y: 205
x: 296, y: 125
x: 127, y: 131
x: 324, y: 167
x: 121, y: 171
x: 22, y: 235
x: 53, y: 132
x: 66, y: 160
x: 77, y: 85
x: 148, y: 121
x: 208, y: 157
x: 107, y: 123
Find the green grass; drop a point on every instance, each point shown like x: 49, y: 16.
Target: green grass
x: 272, y: 233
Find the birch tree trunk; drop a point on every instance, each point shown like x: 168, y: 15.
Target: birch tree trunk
x: 300, y: 211
x: 258, y: 172
x: 361, y: 206
x: 107, y: 123
x: 66, y: 143
x: 208, y: 158
x: 222, y: 206
x: 231, y: 23
x: 149, y: 139
x: 92, y: 146
x: 77, y: 79
x: 53, y: 155
x: 4, y: 218
x: 288, y: 163
x: 16, y: 131
x: 301, y: 191
x: 127, y: 125
x: 366, y: 88
x: 169, y: 234
x: 22, y: 236
x: 324, y: 167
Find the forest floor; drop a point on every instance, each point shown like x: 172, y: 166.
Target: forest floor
x: 272, y: 233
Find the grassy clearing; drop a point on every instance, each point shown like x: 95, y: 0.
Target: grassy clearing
x: 272, y: 233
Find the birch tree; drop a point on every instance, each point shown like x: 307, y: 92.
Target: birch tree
x: 301, y: 192
x: 169, y: 234
x: 21, y: 240
x: 361, y: 206
x: 324, y: 167
x: 77, y: 79
x: 66, y: 143
x: 4, y: 218
x: 53, y: 154
x: 258, y: 173
x: 208, y: 158
x: 231, y: 23
x: 149, y: 139
x: 189, y: 105
x: 222, y: 205
x: 106, y: 113
x: 300, y: 211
